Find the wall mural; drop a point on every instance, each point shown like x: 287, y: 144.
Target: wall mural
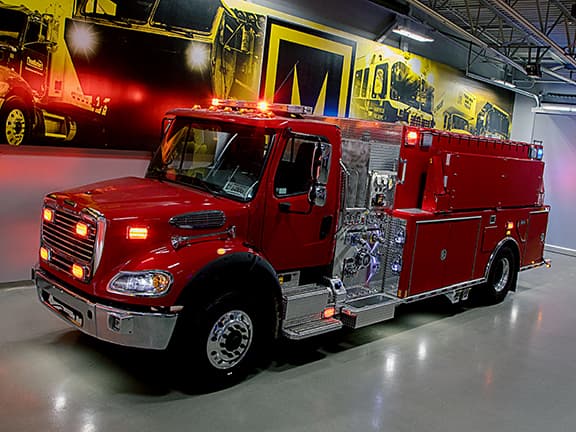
x: 102, y: 73
x: 392, y: 85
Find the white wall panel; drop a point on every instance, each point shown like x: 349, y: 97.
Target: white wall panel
x: 27, y: 174
x: 558, y: 132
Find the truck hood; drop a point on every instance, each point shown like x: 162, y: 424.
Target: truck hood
x: 148, y: 198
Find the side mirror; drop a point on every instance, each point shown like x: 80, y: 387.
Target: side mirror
x: 320, y: 171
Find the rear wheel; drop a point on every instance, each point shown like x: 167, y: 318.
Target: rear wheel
x: 14, y: 122
x: 501, y: 277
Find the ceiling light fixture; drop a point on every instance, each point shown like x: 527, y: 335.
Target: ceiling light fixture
x: 411, y: 34
x: 504, y: 83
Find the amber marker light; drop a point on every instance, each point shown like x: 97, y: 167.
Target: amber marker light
x: 137, y: 233
x: 82, y: 229
x: 77, y: 271
x: 329, y: 312
x: 44, y: 254
x: 509, y: 225
x: 48, y: 215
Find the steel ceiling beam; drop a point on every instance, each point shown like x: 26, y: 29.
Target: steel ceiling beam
x: 465, y: 34
x: 515, y: 18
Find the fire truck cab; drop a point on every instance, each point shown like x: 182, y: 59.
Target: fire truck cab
x: 253, y: 224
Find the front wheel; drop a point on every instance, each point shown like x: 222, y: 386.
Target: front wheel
x: 222, y: 342
x: 14, y: 122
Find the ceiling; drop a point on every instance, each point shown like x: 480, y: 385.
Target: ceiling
x: 490, y: 39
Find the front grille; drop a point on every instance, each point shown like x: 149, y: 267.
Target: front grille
x: 420, y: 122
x: 65, y: 246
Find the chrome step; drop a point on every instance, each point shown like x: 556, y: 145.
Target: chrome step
x: 369, y: 310
x: 312, y: 328
x: 304, y: 300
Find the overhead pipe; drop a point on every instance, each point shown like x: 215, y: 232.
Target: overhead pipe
x: 514, y: 89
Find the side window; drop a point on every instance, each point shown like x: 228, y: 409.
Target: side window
x: 294, y: 174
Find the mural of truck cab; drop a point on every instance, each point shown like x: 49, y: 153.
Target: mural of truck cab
x: 389, y: 90
x: 492, y: 121
x: 154, y: 54
x: 27, y: 41
x: 457, y: 110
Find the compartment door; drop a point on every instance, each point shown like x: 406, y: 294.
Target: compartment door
x: 461, y: 251
x: 535, y: 237
x: 444, y: 253
x: 427, y: 269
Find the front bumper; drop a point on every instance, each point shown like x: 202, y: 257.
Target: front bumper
x: 135, y: 329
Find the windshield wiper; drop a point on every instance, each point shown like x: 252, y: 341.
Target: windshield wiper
x: 196, y: 181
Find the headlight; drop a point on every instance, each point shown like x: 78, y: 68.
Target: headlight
x: 150, y: 283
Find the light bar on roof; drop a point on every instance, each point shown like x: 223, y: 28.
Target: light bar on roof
x: 262, y: 106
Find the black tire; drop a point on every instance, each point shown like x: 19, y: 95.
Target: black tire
x: 15, y: 122
x: 219, y: 344
x: 502, y: 277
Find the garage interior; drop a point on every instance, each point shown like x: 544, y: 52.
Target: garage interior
x: 435, y: 367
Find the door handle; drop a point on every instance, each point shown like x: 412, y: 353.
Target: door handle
x: 325, y: 226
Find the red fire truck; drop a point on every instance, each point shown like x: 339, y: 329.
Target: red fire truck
x: 253, y: 224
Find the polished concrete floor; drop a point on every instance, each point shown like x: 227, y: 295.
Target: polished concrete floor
x: 509, y: 367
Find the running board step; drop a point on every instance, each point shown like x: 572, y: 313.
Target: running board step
x: 312, y: 328
x: 368, y: 310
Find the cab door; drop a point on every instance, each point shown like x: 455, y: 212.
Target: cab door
x: 298, y: 227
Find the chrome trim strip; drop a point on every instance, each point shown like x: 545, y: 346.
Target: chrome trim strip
x: 101, y: 226
x: 540, y: 211
x: 178, y: 241
x: 476, y: 249
x: 544, y: 262
x: 448, y: 219
x: 458, y: 286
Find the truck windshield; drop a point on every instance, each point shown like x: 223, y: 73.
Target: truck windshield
x: 222, y: 158
x: 12, y: 27
x: 498, y: 122
x: 460, y: 123
x: 120, y: 10
x: 405, y: 85
x: 185, y: 14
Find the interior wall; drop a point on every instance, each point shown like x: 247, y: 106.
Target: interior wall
x: 522, y: 119
x: 558, y: 133
x: 27, y: 174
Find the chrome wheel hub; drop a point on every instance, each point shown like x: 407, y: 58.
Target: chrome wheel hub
x: 229, y: 339
x: 503, y: 275
x: 15, y: 127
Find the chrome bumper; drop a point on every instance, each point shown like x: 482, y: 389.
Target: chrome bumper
x: 122, y: 327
